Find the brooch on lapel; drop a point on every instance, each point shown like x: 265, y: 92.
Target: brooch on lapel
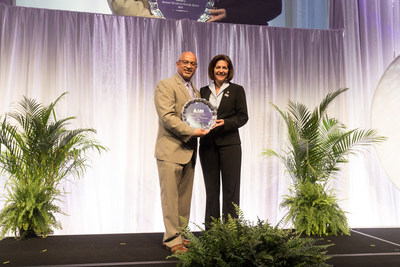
x: 227, y: 94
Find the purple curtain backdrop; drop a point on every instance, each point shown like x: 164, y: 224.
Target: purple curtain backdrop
x: 7, y: 2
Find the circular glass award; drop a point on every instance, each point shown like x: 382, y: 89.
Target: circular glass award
x: 199, y: 113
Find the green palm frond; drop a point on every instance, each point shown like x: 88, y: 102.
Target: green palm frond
x: 318, y: 145
x: 323, y: 106
x: 37, y: 152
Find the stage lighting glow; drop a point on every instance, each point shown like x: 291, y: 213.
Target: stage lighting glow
x: 385, y: 117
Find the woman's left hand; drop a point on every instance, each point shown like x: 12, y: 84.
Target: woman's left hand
x: 217, y: 14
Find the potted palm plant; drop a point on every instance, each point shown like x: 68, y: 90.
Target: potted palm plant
x: 318, y: 146
x: 38, y: 153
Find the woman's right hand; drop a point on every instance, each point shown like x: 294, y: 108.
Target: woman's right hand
x: 218, y: 123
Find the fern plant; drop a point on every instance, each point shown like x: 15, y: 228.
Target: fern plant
x: 238, y: 242
x: 37, y: 153
x: 318, y: 146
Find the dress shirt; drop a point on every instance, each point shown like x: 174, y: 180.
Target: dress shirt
x: 215, y: 99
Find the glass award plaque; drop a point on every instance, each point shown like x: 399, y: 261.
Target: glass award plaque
x: 198, y: 10
x: 199, y: 113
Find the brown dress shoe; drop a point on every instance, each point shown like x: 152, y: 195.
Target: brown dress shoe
x: 177, y: 249
x: 186, y: 242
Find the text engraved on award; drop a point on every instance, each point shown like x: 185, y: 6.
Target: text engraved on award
x: 182, y: 9
x: 199, y: 113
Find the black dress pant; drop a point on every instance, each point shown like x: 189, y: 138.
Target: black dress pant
x: 221, y: 164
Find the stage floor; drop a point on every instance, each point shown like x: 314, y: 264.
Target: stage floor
x: 365, y: 247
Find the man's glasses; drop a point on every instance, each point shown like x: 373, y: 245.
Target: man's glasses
x: 191, y: 63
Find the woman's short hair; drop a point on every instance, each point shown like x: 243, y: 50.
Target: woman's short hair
x: 214, y: 61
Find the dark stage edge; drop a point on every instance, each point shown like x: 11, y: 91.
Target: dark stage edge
x: 365, y: 247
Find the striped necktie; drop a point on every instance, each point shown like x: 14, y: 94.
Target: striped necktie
x: 190, y: 90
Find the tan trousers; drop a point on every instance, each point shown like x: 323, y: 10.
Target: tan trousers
x: 176, y: 183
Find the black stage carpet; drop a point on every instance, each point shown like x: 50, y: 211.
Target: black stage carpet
x: 365, y: 247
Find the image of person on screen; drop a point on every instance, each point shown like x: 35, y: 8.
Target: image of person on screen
x: 257, y: 12
x: 220, y: 151
x: 139, y: 8
x: 176, y: 149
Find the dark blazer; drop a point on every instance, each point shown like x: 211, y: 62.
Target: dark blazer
x: 257, y: 12
x: 233, y: 109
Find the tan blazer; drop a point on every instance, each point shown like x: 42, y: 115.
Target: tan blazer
x: 140, y: 8
x: 174, y: 139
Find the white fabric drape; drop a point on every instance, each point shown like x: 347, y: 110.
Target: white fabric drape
x: 110, y: 66
x: 372, y: 42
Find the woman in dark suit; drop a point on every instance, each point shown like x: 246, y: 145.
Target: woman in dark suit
x: 220, y: 151
x: 257, y: 12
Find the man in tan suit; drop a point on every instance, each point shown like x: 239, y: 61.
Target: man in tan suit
x: 176, y: 149
x: 140, y: 8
